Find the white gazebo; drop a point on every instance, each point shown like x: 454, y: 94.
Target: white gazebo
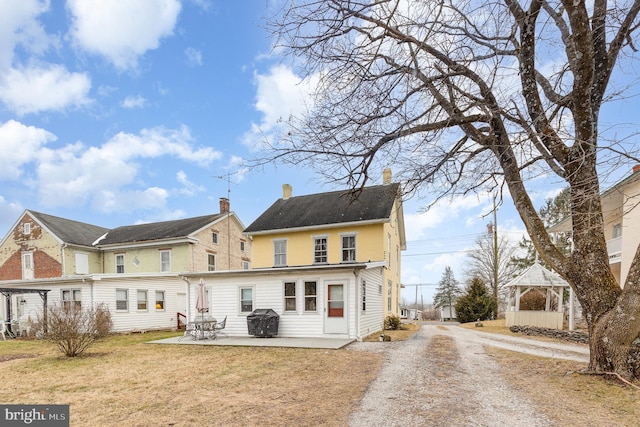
x: 538, y: 278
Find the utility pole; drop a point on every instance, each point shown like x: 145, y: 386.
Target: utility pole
x: 495, y: 249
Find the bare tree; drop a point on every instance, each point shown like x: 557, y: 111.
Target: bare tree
x: 468, y: 95
x: 482, y: 262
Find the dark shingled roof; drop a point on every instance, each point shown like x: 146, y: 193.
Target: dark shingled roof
x: 73, y: 232
x: 158, y: 230
x: 336, y: 207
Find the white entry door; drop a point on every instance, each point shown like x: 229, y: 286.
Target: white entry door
x: 336, y: 319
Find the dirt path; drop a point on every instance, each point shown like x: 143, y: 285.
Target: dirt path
x: 443, y: 377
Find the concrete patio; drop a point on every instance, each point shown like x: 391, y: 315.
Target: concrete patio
x: 322, y: 343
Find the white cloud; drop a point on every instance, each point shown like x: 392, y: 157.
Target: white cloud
x: 74, y: 175
x: 194, y: 57
x: 131, y: 102
x: 443, y: 211
x: 19, y: 26
x: 44, y: 88
x: 122, y: 31
x: 188, y: 188
x: 279, y: 95
x: 19, y: 145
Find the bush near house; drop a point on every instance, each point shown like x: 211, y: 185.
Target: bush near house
x: 392, y: 322
x: 74, y: 330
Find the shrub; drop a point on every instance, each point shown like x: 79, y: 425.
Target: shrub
x: 74, y: 330
x: 392, y: 322
x: 476, y: 304
x: 533, y: 300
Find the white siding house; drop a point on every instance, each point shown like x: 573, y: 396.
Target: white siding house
x: 305, y: 310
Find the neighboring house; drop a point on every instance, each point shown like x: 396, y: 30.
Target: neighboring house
x: 447, y: 312
x: 621, y: 223
x: 410, y: 313
x: 134, y: 270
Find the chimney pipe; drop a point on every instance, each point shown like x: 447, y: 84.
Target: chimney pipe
x: 636, y: 168
x: 287, y: 191
x: 224, y: 205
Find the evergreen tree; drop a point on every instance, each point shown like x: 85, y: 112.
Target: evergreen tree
x: 554, y: 210
x: 476, y: 304
x: 448, y: 290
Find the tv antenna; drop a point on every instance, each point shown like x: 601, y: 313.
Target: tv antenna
x: 227, y: 177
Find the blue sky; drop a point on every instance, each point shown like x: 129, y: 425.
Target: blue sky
x: 120, y: 112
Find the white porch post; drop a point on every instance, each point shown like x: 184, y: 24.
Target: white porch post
x: 572, y: 318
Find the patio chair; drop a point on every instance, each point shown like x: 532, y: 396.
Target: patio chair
x: 218, y: 327
x: 189, y: 330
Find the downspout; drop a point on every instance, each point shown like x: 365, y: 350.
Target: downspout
x: 357, y: 304
x: 63, y: 261
x: 188, y: 313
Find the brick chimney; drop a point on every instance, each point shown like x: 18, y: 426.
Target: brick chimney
x: 287, y: 191
x: 224, y: 205
x: 636, y: 168
x: 386, y: 176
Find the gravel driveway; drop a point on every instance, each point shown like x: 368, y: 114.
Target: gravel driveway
x: 443, y: 377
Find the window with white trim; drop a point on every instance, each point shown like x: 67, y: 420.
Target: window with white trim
x: 82, y: 263
x: 320, y: 250
x: 26, y: 228
x: 165, y: 260
x: 242, y: 245
x: 211, y: 262
x: 279, y: 253
x: 142, y: 299
x: 364, y: 295
x: 389, y: 295
x: 349, y: 248
x: 310, y: 296
x: 214, y: 238
x: 245, y: 265
x: 122, y: 299
x: 160, y: 300
x: 246, y: 299
x: 27, y: 265
x: 120, y: 263
x: 71, y: 298
x: 290, y: 296
x: 617, y: 230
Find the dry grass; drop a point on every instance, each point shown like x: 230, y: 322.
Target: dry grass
x: 408, y: 329
x: 123, y: 381
x: 560, y: 390
x: 565, y: 395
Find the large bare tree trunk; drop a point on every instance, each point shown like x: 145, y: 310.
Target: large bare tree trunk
x: 475, y: 97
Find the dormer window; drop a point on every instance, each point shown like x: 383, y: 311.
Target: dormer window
x: 27, y: 228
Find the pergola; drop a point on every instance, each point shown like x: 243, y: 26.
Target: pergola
x: 551, y: 284
x: 8, y: 292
